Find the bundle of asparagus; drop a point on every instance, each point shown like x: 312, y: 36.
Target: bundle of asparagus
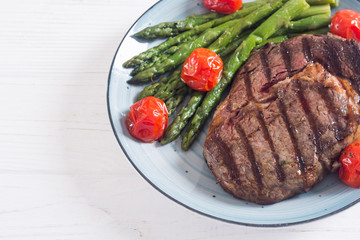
x: 232, y: 37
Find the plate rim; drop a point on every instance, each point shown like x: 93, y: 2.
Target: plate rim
x: 110, y: 115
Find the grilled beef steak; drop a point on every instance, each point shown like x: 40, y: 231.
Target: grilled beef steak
x: 291, y: 110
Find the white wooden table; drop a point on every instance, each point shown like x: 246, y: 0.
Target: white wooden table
x: 62, y: 173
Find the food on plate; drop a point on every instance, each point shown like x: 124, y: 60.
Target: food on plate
x: 346, y: 23
x: 349, y: 172
x: 291, y: 110
x: 147, y: 119
x: 202, y: 70
x: 223, y: 6
x: 236, y: 29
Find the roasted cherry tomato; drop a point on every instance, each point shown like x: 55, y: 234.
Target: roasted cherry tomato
x: 223, y: 6
x: 346, y: 23
x: 202, y: 69
x: 147, y: 119
x: 349, y: 172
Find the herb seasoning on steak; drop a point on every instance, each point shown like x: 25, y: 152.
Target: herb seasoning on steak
x: 291, y: 109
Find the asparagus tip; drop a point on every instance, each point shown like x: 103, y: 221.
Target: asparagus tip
x: 134, y: 81
x: 164, y: 141
x: 127, y: 64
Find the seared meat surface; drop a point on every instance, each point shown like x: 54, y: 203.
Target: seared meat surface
x: 291, y: 110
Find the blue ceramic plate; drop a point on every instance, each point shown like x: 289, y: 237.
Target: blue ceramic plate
x: 184, y: 176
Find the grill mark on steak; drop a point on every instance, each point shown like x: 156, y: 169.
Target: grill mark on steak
x: 355, y: 65
x: 339, y: 131
x: 299, y: 157
x: 308, y: 114
x: 333, y: 58
x: 306, y: 49
x: 296, y: 54
x: 265, y: 65
x: 345, y: 54
x: 350, y: 66
x: 279, y: 171
x: 285, y: 56
x: 275, y: 65
x: 250, y: 152
x: 227, y: 158
x: 247, y: 80
x: 356, y: 48
x: 311, y: 120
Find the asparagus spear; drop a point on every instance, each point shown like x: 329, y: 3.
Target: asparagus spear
x: 173, y: 49
x: 234, y: 44
x: 333, y: 3
x: 148, y: 64
x: 175, y: 100
x: 149, y: 90
x: 280, y: 18
x: 314, y: 10
x: 156, y: 88
x: 275, y: 40
x: 179, y: 38
x: 281, y: 38
x: 168, y: 89
x: 309, y: 23
x: 323, y: 30
x: 168, y: 29
x: 175, y: 128
x: 305, y: 24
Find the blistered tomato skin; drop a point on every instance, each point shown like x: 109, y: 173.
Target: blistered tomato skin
x: 223, y: 6
x: 147, y: 119
x: 202, y: 69
x: 349, y: 172
x: 346, y: 24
